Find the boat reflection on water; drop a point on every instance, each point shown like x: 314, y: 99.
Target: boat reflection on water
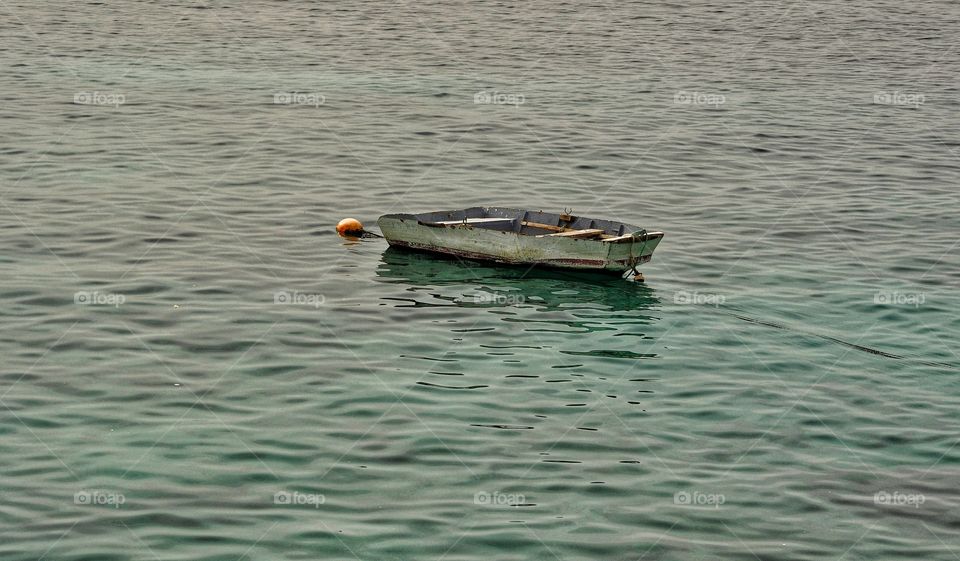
x: 552, y: 337
x: 484, y: 285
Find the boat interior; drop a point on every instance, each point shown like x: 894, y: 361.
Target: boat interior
x: 529, y: 223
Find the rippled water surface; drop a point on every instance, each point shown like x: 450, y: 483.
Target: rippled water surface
x: 196, y: 367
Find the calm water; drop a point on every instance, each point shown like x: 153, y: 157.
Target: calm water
x: 196, y: 367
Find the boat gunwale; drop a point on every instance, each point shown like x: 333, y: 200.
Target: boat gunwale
x: 626, y: 237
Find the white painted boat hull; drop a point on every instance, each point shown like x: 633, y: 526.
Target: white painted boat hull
x: 464, y: 240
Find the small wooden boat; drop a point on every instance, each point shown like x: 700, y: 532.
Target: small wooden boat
x: 524, y: 237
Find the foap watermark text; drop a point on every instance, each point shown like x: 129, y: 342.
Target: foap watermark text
x: 501, y: 299
x: 97, y: 298
x: 99, y: 498
x: 497, y: 498
x: 899, y: 98
x: 499, y: 98
x: 685, y: 297
x: 699, y: 98
x: 297, y: 298
x: 896, y: 498
x: 99, y: 98
x: 700, y: 499
x: 299, y: 98
x: 296, y: 498
x: 894, y: 298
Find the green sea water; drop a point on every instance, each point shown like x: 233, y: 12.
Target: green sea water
x: 194, y: 366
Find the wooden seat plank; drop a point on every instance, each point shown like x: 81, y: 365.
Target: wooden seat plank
x: 577, y: 234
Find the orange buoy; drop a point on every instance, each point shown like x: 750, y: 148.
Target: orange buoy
x: 350, y: 227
